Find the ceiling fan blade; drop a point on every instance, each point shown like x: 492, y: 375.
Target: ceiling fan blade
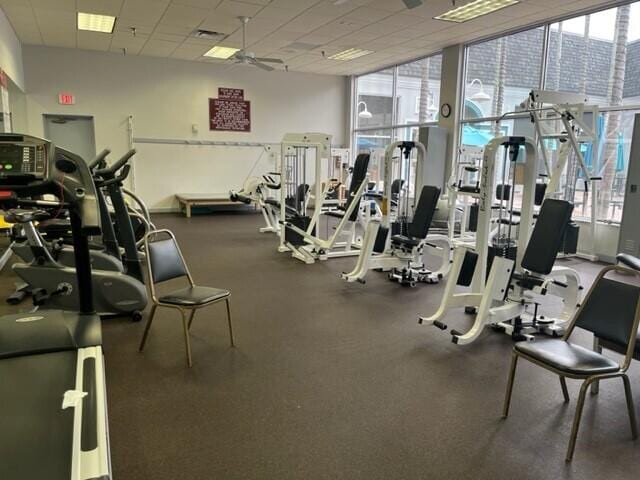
x: 412, y: 3
x: 269, y: 60
x: 263, y: 66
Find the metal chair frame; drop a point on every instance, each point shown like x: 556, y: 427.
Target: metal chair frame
x: 587, y: 379
x: 191, y: 310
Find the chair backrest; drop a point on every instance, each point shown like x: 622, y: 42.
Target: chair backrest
x: 423, y: 214
x: 164, y: 258
x: 610, y: 310
x: 547, y: 236
x: 358, y: 176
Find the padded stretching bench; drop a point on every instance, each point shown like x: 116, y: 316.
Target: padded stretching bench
x: 188, y: 200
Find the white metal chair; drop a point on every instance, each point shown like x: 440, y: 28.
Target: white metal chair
x: 165, y: 262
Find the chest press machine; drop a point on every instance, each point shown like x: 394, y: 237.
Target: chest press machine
x: 400, y: 246
x: 521, y: 260
x: 300, y: 234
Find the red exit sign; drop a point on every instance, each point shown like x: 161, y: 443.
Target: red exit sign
x: 66, y: 99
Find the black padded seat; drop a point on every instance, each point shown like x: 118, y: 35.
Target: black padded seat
x: 566, y: 357
x: 515, y: 221
x: 335, y: 214
x: 194, y: 296
x: 406, y: 241
x: 272, y: 201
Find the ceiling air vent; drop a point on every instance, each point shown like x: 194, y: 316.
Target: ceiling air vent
x: 208, y: 34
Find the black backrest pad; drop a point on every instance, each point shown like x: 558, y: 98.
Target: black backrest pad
x: 165, y: 259
x: 610, y: 310
x: 546, y: 238
x: 424, y: 212
x: 357, y: 177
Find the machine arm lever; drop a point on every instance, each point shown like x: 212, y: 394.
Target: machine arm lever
x: 100, y: 158
x: 117, y: 165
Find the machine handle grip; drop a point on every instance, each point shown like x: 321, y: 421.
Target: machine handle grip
x: 99, y: 158
x: 119, y: 164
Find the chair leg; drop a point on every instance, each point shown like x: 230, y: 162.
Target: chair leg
x: 147, y: 327
x: 576, y: 420
x: 229, y: 320
x: 595, y: 386
x: 565, y: 392
x: 630, y: 406
x: 512, y: 374
x: 191, y: 315
x: 187, y: 341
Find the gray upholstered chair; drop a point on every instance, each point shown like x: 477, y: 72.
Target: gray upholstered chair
x: 165, y: 262
x: 611, y: 311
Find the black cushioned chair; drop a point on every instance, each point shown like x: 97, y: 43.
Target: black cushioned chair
x: 600, y: 343
x: 567, y: 360
x: 419, y: 227
x: 165, y: 262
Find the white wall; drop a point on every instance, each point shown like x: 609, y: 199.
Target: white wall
x: 165, y: 97
x: 10, y: 52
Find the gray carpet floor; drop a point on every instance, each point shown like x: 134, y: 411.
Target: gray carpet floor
x: 330, y: 380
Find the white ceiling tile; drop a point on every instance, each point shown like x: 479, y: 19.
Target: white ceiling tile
x: 236, y: 9
x: 144, y: 11
x: 207, y: 4
x: 159, y: 48
x: 221, y: 22
x: 132, y: 44
x: 94, y: 41
x: 189, y: 52
x: 184, y: 16
x: 58, y: 5
x: 125, y: 25
x: 175, y: 29
x: 103, y: 7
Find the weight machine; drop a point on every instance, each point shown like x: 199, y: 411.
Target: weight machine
x: 511, y: 267
x: 568, y: 120
x: 400, y: 240
x: 303, y: 158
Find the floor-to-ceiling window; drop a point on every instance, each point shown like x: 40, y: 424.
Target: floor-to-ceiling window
x: 392, y: 104
x: 596, y: 55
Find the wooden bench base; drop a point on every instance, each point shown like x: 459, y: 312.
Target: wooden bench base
x: 188, y: 200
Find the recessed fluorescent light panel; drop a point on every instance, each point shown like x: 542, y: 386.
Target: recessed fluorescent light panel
x: 221, y: 52
x: 350, y: 54
x: 96, y: 23
x: 474, y: 9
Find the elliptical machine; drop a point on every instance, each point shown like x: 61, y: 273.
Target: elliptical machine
x: 117, y: 291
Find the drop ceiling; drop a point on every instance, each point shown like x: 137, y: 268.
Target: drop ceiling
x: 297, y: 31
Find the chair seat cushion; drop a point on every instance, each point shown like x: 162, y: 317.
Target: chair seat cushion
x: 567, y: 357
x: 193, y: 296
x: 406, y: 241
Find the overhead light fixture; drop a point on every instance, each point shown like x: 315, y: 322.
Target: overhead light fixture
x: 364, y: 113
x: 475, y: 9
x: 96, y: 23
x: 349, y: 54
x: 480, y: 95
x: 221, y: 52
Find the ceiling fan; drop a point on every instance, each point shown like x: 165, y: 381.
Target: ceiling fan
x: 249, y: 58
